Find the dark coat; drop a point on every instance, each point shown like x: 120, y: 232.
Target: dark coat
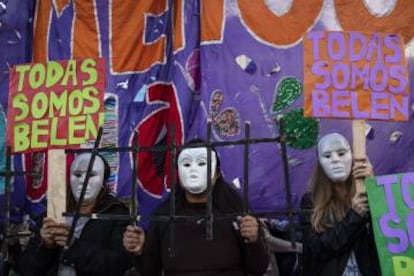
x: 327, y: 253
x: 227, y: 254
x: 98, y: 251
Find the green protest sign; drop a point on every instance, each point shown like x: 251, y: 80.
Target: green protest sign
x: 391, y: 203
x: 56, y: 104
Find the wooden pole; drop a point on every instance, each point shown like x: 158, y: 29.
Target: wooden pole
x: 56, y: 184
x: 359, y: 149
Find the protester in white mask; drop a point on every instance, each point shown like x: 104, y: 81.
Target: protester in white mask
x: 237, y: 247
x: 96, y: 248
x: 192, y: 169
x: 335, y: 157
x: 78, y: 173
x: 335, y: 219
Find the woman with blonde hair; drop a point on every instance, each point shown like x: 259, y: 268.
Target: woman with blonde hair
x: 338, y: 237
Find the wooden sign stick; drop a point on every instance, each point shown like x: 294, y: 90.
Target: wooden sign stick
x: 359, y: 149
x: 56, y: 184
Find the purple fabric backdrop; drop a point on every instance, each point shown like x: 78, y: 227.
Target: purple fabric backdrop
x: 247, y: 94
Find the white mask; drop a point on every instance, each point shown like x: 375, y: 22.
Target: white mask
x: 334, y: 154
x: 192, y: 169
x: 78, y: 173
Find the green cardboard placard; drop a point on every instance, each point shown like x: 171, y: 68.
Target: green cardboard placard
x: 391, y: 203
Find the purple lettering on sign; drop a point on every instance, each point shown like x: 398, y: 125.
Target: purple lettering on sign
x: 377, y: 106
x: 357, y: 41
x: 316, y: 37
x: 378, y: 73
x: 359, y: 75
x: 407, y: 180
x: 401, y: 108
x: 393, y: 42
x: 320, y: 68
x: 340, y: 70
x: 356, y: 113
x: 375, y: 47
x: 320, y: 103
x: 336, y: 45
x: 393, y: 233
x: 387, y: 181
x: 399, y: 73
x: 340, y: 99
x: 410, y: 227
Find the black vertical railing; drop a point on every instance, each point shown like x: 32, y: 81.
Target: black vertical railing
x: 172, y: 147
x: 246, y: 169
x: 134, y: 196
x: 172, y: 216
x: 286, y: 174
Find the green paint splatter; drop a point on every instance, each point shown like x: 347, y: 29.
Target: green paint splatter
x: 288, y: 90
x: 301, y: 133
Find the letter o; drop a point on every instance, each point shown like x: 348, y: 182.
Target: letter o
x: 373, y: 76
x: 75, y: 102
x: 37, y: 76
x: 337, y: 69
x: 39, y: 105
x: 336, y: 53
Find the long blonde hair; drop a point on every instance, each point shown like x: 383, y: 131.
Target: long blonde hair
x: 328, y: 205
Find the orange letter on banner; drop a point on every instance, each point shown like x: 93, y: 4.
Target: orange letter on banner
x: 212, y: 20
x: 354, y: 16
x: 178, y: 43
x: 279, y: 30
x: 85, y: 30
x: 130, y: 52
x: 41, y: 27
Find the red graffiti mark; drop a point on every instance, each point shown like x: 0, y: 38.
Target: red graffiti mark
x: 35, y: 165
x: 154, y: 166
x: 36, y: 182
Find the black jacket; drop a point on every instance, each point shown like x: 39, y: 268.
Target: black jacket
x: 227, y: 254
x: 327, y: 253
x: 98, y: 251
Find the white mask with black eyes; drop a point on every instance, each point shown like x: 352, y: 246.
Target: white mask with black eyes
x: 192, y: 169
x: 78, y: 171
x: 335, y: 157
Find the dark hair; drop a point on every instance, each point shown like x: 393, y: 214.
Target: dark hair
x: 107, y: 168
x: 200, y: 143
x: 225, y: 198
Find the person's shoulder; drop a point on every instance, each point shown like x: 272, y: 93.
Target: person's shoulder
x: 227, y: 198
x: 163, y: 208
x: 113, y: 205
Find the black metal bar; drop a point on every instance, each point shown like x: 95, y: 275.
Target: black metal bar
x: 98, y: 216
x: 83, y: 191
x: 287, y: 182
x: 209, y: 210
x: 134, y: 196
x: 178, y: 147
x: 21, y: 173
x: 172, y: 192
x: 246, y: 169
